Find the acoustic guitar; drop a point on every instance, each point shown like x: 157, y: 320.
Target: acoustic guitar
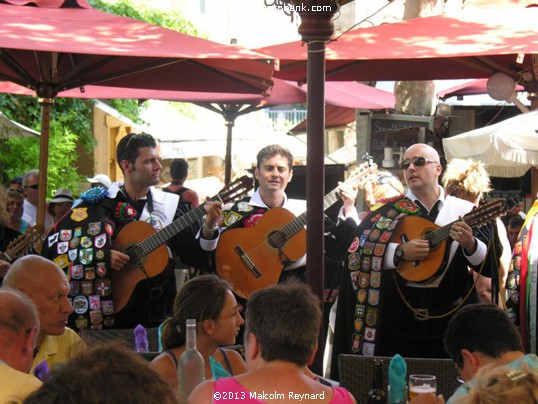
x: 253, y: 258
x: 23, y: 244
x: 149, y: 257
x: 414, y: 227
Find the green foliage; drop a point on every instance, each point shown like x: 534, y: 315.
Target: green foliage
x: 62, y: 170
x: 170, y: 19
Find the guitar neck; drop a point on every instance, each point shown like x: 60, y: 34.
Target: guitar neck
x: 476, y: 217
x: 297, y: 224
x: 184, y: 221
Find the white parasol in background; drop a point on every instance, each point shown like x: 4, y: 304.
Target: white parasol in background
x: 509, y: 148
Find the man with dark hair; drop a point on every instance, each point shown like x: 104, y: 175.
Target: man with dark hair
x: 515, y: 223
x: 482, y: 334
x: 179, y: 170
x: 274, y: 171
x: 109, y: 287
x: 19, y: 327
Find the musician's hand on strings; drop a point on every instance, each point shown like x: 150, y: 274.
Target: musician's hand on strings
x: 348, y: 193
x: 118, y: 260
x: 463, y: 234
x: 213, y: 211
x: 4, y: 266
x: 416, y: 250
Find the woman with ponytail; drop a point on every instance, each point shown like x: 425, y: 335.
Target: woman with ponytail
x: 207, y: 299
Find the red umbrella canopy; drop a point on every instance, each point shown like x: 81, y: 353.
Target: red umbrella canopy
x: 346, y: 94
x: 67, y: 44
x: 474, y: 87
x: 472, y: 44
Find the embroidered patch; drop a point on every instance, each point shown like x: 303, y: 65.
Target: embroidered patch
x: 231, y: 218
x: 354, y: 245
x: 80, y: 304
x: 79, y: 214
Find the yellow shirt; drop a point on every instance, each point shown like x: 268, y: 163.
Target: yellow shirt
x: 15, y: 386
x: 58, y: 348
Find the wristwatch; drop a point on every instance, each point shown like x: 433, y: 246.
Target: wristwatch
x: 399, y: 255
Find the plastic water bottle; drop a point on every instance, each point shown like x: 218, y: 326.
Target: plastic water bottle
x: 191, y: 366
x: 141, y: 339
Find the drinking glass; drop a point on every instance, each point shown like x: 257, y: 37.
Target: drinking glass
x: 421, y: 384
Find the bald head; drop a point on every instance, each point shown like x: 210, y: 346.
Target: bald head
x: 47, y: 285
x: 18, y: 312
x: 30, y: 272
x: 19, y: 326
x: 424, y: 150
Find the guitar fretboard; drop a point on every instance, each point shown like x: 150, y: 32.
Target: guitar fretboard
x: 155, y: 240
x: 297, y: 224
x: 474, y: 218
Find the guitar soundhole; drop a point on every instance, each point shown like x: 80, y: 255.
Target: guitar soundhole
x: 277, y: 240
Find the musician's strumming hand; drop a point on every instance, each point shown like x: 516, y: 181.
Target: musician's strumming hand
x: 118, y: 260
x: 348, y: 193
x: 416, y: 250
x: 463, y: 234
x: 4, y: 266
x: 213, y: 211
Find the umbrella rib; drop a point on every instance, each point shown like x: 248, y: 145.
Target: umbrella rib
x: 236, y: 80
x: 12, y: 63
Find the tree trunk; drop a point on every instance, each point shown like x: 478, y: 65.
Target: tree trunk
x: 417, y: 97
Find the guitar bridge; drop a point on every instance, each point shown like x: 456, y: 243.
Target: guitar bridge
x: 248, y: 262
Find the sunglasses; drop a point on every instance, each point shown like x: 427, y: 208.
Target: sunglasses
x: 14, y: 190
x: 417, y: 162
x: 35, y: 186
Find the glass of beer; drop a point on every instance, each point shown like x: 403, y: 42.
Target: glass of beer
x: 421, y: 384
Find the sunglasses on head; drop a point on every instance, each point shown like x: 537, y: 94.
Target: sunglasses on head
x: 35, y: 186
x: 417, y: 162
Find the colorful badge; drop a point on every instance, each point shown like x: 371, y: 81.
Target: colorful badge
x: 369, y: 334
x: 359, y: 310
x: 62, y: 261
x: 74, y: 288
x: 101, y: 269
x: 368, y: 248
x: 354, y: 261
x: 368, y: 349
x: 79, y: 214
x: 107, y: 307
x: 358, y: 324
x: 89, y: 273
x: 65, y: 235
x: 103, y: 287
x: 62, y: 247
x: 373, y: 297
x: 95, y: 302
x: 74, y: 243
x: 86, y: 287
x: 72, y: 254
x: 86, y: 241
x: 76, y: 271
x: 100, y: 254
x: 375, y: 279
x: 354, y: 245
x: 231, y: 218
x: 362, y: 294
x: 374, y: 235
x: 100, y: 240
x: 81, y: 322
x: 377, y: 264
x: 371, y: 316
x: 379, y: 249
x: 52, y: 239
x: 80, y: 304
x: 244, y: 207
x: 94, y: 228
x: 85, y: 255
x: 96, y: 317
x: 356, y: 343
x: 78, y: 231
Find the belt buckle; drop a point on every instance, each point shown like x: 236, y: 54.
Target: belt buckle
x: 422, y: 314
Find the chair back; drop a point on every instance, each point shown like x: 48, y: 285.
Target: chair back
x: 357, y: 372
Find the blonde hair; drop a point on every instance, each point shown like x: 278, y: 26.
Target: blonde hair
x: 502, y: 384
x: 467, y: 179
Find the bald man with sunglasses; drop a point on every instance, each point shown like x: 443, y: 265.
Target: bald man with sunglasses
x: 394, y: 315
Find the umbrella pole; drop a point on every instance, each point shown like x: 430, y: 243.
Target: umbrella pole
x: 46, y: 106
x: 316, y: 29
